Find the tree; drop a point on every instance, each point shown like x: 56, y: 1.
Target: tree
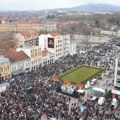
x: 7, y: 40
x: 97, y: 23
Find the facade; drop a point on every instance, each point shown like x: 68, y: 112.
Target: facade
x: 53, y: 43
x: 108, y: 32
x: 20, y: 62
x: 73, y: 45
x: 69, y: 45
x: 26, y: 38
x: 17, y: 27
x: 43, y: 41
x: 5, y: 72
x: 117, y: 73
x: 118, y: 33
x: 47, y: 58
x: 58, y: 45
x: 50, y: 27
x: 35, y: 54
x: 116, y: 88
x: 66, y: 45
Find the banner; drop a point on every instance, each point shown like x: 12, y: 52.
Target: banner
x: 50, y: 42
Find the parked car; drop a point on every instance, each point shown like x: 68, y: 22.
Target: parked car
x: 93, y: 81
x: 94, y: 98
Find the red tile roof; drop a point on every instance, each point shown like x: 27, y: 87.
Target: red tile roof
x: 16, y: 56
x: 28, y: 24
x: 55, y: 34
x: 29, y: 33
x: 13, y: 49
x: 45, y: 53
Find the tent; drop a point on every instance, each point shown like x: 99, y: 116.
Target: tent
x: 55, y: 79
x: 67, y: 83
x: 81, y: 91
x: 80, y: 86
x: 99, y: 90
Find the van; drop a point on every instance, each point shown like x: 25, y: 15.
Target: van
x: 93, y: 81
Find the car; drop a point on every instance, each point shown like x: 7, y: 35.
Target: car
x: 93, y: 81
x: 94, y: 98
x: 87, y: 86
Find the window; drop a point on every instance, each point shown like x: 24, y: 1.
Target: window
x: 8, y: 67
x: 118, y: 80
x: 118, y: 72
x: 118, y: 64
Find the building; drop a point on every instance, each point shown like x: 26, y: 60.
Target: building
x: 66, y: 44
x: 58, y: 45
x: 116, y: 88
x: 73, y: 45
x: 53, y: 43
x: 108, y: 32
x: 20, y: 62
x: 47, y: 58
x: 69, y: 45
x: 23, y: 26
x: 5, y: 72
x: 26, y: 38
x: 50, y: 27
x: 117, y: 73
x: 35, y: 54
x: 43, y: 41
x: 118, y: 34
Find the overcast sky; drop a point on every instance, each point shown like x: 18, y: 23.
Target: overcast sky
x: 47, y: 4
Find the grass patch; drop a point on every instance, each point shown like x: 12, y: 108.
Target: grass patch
x: 81, y: 74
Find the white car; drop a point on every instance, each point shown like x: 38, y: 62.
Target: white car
x: 93, y: 81
x: 94, y: 98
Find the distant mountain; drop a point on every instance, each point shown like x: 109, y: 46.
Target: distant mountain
x: 95, y: 8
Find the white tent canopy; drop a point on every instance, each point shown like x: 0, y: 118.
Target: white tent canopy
x: 99, y: 90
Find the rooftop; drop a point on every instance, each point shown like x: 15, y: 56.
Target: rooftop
x: 16, y: 56
x: 3, y: 60
x: 29, y: 33
x: 55, y: 34
x: 45, y: 53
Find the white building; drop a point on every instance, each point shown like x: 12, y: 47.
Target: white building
x: 108, y: 32
x: 118, y: 33
x: 115, y: 90
x: 53, y: 43
x: 47, y: 58
x: 35, y: 54
x: 19, y: 61
x: 117, y: 73
x: 69, y: 45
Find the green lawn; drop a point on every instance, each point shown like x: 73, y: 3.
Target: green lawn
x: 81, y: 74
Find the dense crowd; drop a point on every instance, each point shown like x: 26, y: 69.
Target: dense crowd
x: 33, y: 94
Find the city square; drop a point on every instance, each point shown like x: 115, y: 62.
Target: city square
x: 59, y: 60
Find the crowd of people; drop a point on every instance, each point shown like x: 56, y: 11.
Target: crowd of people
x: 33, y: 94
